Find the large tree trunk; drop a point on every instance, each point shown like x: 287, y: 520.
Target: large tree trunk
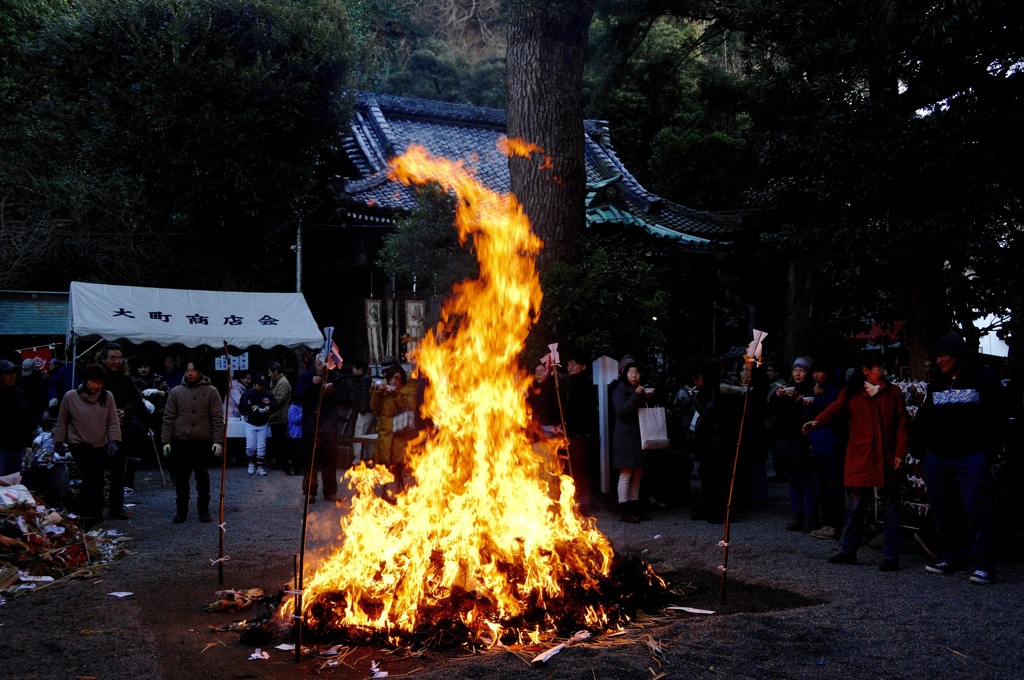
x: 800, y: 310
x: 927, y: 312
x: 547, y: 41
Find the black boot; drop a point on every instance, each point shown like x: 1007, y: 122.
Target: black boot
x: 182, y: 511
x: 627, y: 512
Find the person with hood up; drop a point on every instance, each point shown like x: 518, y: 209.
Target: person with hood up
x: 193, y: 428
x: 788, y: 404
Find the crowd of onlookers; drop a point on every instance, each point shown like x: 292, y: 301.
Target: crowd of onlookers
x: 846, y: 440
x: 108, y: 416
x: 842, y: 439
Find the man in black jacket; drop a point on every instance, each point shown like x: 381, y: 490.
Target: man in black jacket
x: 132, y: 413
x: 361, y: 412
x: 959, y: 426
x: 16, y: 427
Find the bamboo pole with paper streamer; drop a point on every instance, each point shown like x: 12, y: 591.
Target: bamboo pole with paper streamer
x: 331, y: 357
x: 752, y: 359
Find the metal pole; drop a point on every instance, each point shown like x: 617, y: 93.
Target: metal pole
x: 298, y: 256
x: 223, y: 474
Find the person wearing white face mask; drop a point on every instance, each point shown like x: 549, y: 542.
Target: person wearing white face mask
x: 879, y: 440
x: 628, y: 456
x: 87, y: 424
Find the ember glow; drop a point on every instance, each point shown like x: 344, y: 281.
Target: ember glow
x: 489, y: 535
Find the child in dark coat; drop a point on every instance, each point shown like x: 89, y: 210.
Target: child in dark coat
x: 255, y: 407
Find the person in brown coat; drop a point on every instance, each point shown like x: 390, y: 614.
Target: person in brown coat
x: 193, y: 427
x: 87, y: 423
x: 879, y: 440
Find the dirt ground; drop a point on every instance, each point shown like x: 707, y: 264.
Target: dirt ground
x: 788, y: 614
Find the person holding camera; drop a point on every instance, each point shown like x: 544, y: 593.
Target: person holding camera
x: 316, y: 391
x: 387, y: 400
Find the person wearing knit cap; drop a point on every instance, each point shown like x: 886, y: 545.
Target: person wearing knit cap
x: 628, y: 456
x: 788, y: 406
x: 958, y: 431
x: 16, y: 427
x: 88, y: 424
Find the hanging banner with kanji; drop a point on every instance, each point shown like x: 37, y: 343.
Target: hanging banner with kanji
x: 374, y: 337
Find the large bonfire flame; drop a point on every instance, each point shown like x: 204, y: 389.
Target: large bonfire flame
x: 488, y: 537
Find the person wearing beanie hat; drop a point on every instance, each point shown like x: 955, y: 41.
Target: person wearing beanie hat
x: 787, y: 406
x: 628, y: 456
x: 958, y: 431
x: 32, y: 382
x: 192, y: 429
x: 952, y: 345
x: 804, y: 363
x: 88, y: 425
x: 16, y: 426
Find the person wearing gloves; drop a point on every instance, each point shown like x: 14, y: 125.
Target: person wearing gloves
x: 87, y: 424
x: 16, y: 427
x: 193, y: 427
x: 256, y: 405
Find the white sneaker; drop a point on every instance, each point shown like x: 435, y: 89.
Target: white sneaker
x: 356, y: 461
x: 261, y: 471
x: 252, y: 468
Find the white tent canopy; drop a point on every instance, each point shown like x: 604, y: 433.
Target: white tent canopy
x: 192, y: 318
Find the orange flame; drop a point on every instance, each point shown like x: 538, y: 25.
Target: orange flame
x: 489, y: 514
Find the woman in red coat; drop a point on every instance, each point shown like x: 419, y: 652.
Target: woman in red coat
x: 879, y: 441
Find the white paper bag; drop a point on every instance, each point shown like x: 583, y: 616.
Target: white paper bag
x: 403, y: 423
x: 653, y: 428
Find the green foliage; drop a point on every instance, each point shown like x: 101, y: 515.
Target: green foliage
x: 626, y: 294
x: 445, y: 50
x: 181, y: 127
x: 425, y: 247
x: 882, y: 135
x: 676, y: 113
x: 433, y: 71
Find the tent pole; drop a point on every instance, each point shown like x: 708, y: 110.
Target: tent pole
x: 223, y: 476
